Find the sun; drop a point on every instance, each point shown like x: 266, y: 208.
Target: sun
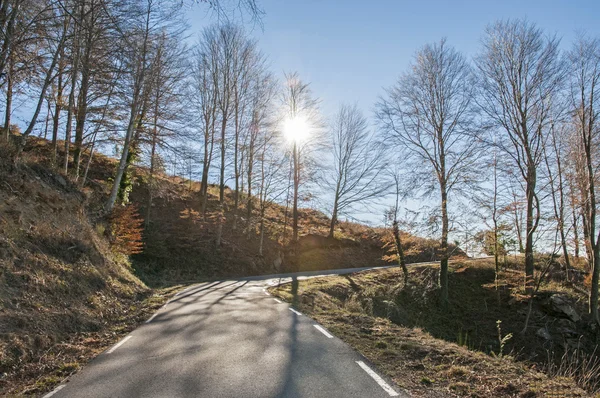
x: 296, y: 129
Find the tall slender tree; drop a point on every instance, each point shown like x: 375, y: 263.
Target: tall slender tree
x: 429, y: 114
x: 520, y: 75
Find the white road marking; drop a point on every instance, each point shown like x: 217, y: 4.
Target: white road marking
x: 152, y: 317
x: 279, y: 301
x: 267, y: 293
x: 119, y: 344
x: 322, y: 330
x: 295, y: 312
x: 57, y: 389
x: 386, y: 387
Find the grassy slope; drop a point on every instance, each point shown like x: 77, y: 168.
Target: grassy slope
x: 405, y: 333
x: 180, y: 244
x: 64, y: 297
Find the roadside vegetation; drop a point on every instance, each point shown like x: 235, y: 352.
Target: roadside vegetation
x: 476, y: 347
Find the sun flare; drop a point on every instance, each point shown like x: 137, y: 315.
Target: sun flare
x: 296, y: 129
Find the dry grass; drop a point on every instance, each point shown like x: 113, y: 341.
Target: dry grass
x: 64, y: 295
x: 431, y: 351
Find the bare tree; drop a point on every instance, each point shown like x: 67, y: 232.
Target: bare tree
x: 585, y: 90
x: 302, y: 127
x: 393, y: 214
x: 263, y: 93
x: 271, y: 164
x: 57, y: 36
x: 520, y: 75
x: 554, y: 155
x: 429, y: 113
x: 357, y: 164
x: 205, y: 93
x: 142, y: 20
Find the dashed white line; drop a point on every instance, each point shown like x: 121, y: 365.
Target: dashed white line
x: 295, y: 312
x: 119, y: 344
x: 57, y: 389
x: 322, y: 330
x: 279, y: 301
x: 386, y: 387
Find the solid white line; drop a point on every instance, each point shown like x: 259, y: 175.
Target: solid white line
x: 57, y: 389
x: 386, y: 387
x: 119, y: 344
x: 295, y: 312
x: 152, y: 317
x: 322, y: 330
x: 279, y: 301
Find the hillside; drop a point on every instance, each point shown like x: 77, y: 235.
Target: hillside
x: 179, y: 244
x: 66, y: 294
x: 461, y: 350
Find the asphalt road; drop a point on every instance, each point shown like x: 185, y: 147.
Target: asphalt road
x: 230, y: 339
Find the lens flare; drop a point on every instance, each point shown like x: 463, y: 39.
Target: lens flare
x: 296, y: 129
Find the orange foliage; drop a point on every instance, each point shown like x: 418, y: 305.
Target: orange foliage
x: 587, y: 282
x: 126, y: 229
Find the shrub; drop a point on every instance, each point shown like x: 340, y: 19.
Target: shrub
x: 125, y: 230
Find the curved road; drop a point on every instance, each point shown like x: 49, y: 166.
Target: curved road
x: 230, y: 339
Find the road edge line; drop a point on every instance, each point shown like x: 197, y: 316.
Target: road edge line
x: 57, y: 389
x: 324, y: 331
x: 386, y: 387
x: 119, y: 344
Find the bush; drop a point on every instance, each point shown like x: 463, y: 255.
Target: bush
x: 125, y: 230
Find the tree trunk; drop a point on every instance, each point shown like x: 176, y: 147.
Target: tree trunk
x: 575, y: 233
x: 152, y: 164
x: 518, y: 229
x: 295, y: 202
x: 58, y: 104
x: 443, y: 281
x: 222, y: 171
x: 530, y: 229
x: 45, y: 85
x: 262, y: 232
x: 496, y: 259
x: 334, y: 215
x: 400, y: 250
x: 593, y: 301
x: 8, y: 31
x: 139, y: 80
x: 221, y: 219
x: 70, y: 110
x: 9, y: 95
x: 209, y: 140
x: 82, y: 104
x: 249, y: 175
x: 236, y: 172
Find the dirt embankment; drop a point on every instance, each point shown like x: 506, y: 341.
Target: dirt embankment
x: 64, y: 296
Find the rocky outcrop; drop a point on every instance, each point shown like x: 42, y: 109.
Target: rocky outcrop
x: 559, y: 306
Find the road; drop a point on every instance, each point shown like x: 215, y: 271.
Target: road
x: 230, y: 338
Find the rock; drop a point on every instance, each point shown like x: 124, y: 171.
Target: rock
x: 566, y: 328
x: 559, y: 306
x: 543, y: 333
x: 61, y: 181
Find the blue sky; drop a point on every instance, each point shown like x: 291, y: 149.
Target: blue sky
x: 349, y: 50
